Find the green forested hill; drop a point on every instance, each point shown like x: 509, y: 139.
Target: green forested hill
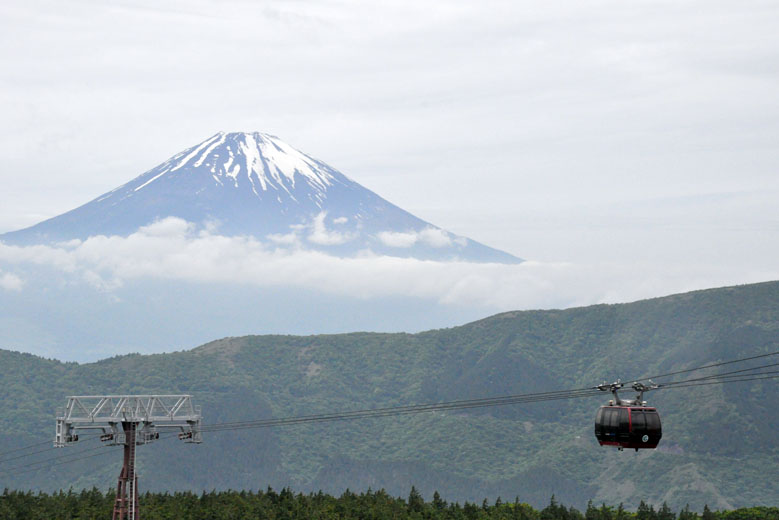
x: 719, y: 442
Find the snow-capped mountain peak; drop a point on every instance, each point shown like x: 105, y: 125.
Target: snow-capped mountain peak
x: 255, y: 184
x: 260, y: 161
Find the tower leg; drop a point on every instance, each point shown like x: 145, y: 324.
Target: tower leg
x: 126, y: 503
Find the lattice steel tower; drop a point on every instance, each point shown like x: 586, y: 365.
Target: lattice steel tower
x: 128, y: 420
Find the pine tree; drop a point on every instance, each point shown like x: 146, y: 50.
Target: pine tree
x: 607, y: 513
x: 591, y: 513
x: 665, y: 513
x: 438, y: 503
x: 416, y: 503
x: 645, y: 512
x: 686, y: 514
x: 471, y: 511
x: 553, y: 511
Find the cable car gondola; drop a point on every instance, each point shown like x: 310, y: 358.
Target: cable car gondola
x: 628, y: 423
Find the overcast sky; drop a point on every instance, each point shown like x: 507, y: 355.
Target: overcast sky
x: 639, y: 136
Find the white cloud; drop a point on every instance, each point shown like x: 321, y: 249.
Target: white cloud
x: 321, y: 235
x: 10, y: 282
x: 286, y: 239
x: 170, y: 227
x: 397, y: 239
x: 435, y: 237
x: 430, y: 236
x: 171, y: 249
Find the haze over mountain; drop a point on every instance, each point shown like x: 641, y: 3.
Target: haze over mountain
x: 254, y: 184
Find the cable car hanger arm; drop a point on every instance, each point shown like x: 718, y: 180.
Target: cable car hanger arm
x: 636, y: 385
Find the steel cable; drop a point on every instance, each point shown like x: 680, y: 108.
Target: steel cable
x: 743, y: 375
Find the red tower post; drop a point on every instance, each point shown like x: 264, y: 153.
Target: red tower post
x: 126, y: 503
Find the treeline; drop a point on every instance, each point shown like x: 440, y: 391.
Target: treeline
x: 286, y: 505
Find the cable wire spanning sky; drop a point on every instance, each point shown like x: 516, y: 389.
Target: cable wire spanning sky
x: 636, y: 137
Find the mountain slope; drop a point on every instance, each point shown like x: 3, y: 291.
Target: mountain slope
x: 255, y: 184
x: 716, y: 438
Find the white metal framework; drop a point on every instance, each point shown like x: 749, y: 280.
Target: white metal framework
x: 151, y: 413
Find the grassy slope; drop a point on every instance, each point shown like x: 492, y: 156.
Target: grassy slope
x: 719, y: 443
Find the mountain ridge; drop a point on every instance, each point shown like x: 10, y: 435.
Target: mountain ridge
x: 715, y: 437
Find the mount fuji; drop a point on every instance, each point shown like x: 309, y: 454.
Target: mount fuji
x: 255, y: 184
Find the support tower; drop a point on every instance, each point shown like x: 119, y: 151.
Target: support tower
x: 130, y: 421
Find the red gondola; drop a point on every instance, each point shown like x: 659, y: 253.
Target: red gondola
x: 627, y: 423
